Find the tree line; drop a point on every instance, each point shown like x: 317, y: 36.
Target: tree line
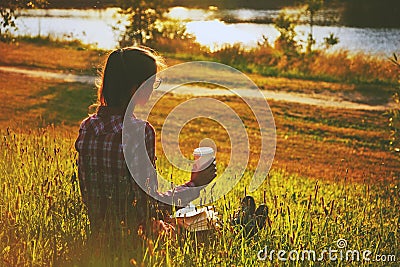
x: 358, y: 13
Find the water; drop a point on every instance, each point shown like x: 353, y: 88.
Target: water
x: 90, y: 26
x: 98, y: 27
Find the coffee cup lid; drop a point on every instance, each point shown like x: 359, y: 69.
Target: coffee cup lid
x: 202, y: 151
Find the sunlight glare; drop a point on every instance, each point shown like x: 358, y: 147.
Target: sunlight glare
x: 216, y: 33
x: 245, y: 14
x: 183, y: 13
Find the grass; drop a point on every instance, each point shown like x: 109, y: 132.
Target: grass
x: 332, y: 177
x: 312, y: 141
x: 44, y: 222
x: 44, y: 54
x: 40, y: 211
x: 360, y: 78
x: 265, y: 60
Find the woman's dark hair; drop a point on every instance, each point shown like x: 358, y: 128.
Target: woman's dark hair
x: 125, y: 70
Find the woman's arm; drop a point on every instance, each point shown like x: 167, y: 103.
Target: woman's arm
x: 180, y: 195
x: 141, y: 160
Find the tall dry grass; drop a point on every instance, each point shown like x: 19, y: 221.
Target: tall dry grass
x: 339, y: 66
x: 43, y: 221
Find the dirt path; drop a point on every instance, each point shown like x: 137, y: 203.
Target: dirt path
x: 316, y: 99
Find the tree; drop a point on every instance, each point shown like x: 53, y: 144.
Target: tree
x: 8, y: 14
x: 311, y: 8
x: 286, y: 24
x: 142, y: 17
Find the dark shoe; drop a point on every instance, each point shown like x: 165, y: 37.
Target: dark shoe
x: 246, y: 215
x: 261, y: 215
x: 249, y: 218
x: 248, y: 206
x: 246, y: 212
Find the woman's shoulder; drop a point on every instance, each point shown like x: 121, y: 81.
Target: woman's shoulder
x: 136, y: 124
x: 145, y: 123
x: 87, y: 121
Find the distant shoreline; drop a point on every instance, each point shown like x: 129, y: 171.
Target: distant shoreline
x: 371, y: 15
x: 223, y: 4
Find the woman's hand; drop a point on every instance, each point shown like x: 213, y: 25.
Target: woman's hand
x: 204, y: 177
x: 160, y: 227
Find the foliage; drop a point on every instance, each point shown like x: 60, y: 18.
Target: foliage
x: 173, y: 29
x: 331, y: 40
x: 142, y: 20
x: 339, y: 67
x: 286, y: 24
x: 394, y: 121
x: 177, y: 47
x: 311, y: 8
x: 266, y: 60
x: 8, y: 14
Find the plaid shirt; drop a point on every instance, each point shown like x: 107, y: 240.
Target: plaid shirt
x: 106, y: 184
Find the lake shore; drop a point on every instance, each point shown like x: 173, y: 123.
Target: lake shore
x: 373, y: 14
x: 186, y: 3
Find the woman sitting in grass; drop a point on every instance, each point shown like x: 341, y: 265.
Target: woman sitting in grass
x: 113, y: 198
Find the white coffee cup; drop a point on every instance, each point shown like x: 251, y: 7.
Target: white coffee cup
x: 203, y: 157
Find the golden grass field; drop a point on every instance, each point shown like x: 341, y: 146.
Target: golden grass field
x: 333, y: 174
x: 316, y: 142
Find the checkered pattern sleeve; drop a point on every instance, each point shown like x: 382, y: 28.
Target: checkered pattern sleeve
x: 144, y: 173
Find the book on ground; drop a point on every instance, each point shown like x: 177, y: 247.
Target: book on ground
x: 197, y: 219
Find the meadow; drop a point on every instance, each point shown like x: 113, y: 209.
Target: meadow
x: 333, y: 177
